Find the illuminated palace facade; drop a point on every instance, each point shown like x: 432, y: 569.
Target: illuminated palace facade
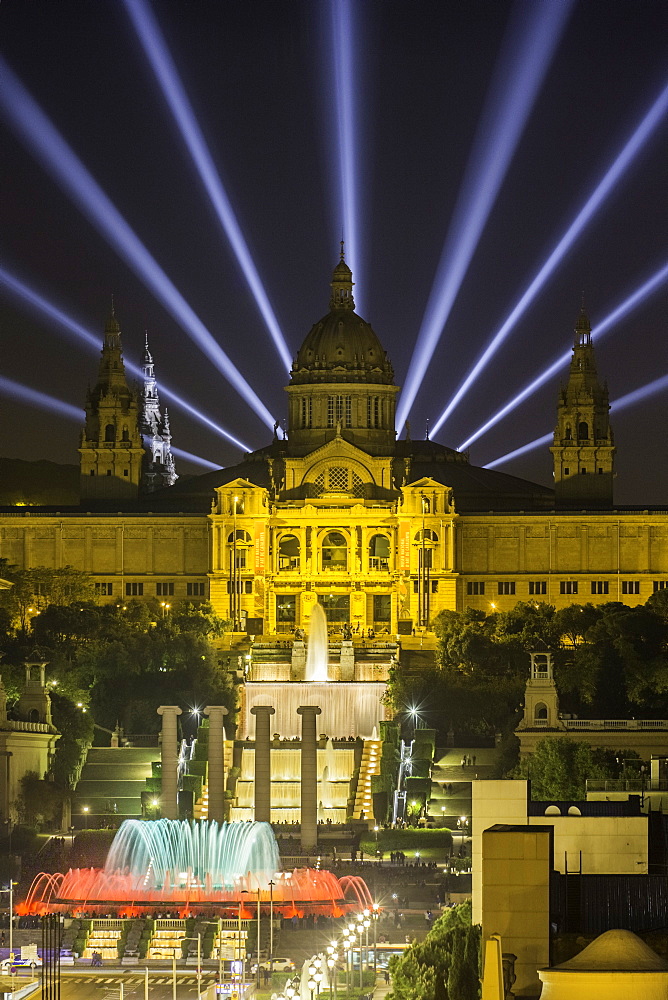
x: 385, y: 533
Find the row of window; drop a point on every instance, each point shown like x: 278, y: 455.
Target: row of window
x: 337, y: 607
x: 339, y: 408
x: 126, y: 472
x: 161, y: 589
x: 506, y: 588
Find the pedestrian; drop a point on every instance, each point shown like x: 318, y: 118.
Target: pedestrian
x: 387, y: 976
x: 474, y: 759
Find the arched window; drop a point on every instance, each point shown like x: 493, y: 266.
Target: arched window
x: 540, y: 712
x: 126, y: 434
x: 335, y: 552
x: 583, y: 430
x: 430, y: 536
x: 243, y: 537
x: 288, y: 553
x: 569, y: 432
x: 379, y: 552
x: 110, y: 433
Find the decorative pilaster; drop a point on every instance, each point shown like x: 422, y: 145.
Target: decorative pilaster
x: 262, y: 715
x: 309, y: 778
x: 216, y: 778
x: 169, y: 757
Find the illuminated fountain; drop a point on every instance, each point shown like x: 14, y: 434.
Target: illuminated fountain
x: 317, y: 657
x: 195, y: 866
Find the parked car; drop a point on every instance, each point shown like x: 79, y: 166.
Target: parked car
x: 278, y: 965
x: 10, y: 964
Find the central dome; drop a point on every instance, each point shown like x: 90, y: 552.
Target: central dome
x: 342, y: 347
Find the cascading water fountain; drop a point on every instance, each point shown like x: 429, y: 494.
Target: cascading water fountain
x: 317, y: 657
x: 193, y: 866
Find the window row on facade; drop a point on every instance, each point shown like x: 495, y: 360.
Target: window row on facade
x: 538, y: 588
x: 340, y: 410
x: 113, y: 588
x: 335, y: 556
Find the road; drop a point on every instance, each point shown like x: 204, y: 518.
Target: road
x: 105, y: 985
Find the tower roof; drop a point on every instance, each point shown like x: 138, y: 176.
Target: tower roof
x: 342, y: 347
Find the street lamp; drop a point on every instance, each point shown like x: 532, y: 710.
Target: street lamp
x: 199, y: 957
x: 85, y: 810
x: 360, y: 931
x: 10, y: 890
x: 375, y: 913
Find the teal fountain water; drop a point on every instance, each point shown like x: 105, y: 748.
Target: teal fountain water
x: 192, y: 867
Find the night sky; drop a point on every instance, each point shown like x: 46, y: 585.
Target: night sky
x: 259, y: 77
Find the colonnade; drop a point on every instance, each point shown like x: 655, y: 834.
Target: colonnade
x: 262, y: 783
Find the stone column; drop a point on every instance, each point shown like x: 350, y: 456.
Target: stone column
x: 262, y: 786
x: 169, y: 756
x: 298, y: 660
x: 309, y: 778
x: 347, y: 661
x: 216, y: 779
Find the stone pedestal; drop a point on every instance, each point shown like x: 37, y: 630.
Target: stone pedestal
x: 309, y: 778
x: 216, y: 778
x: 169, y: 756
x: 347, y: 661
x: 298, y: 662
x: 262, y: 789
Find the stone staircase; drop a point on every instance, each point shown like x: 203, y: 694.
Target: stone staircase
x: 110, y: 786
x: 370, y: 765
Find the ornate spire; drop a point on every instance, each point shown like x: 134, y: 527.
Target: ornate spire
x: 148, y: 357
x: 342, y: 285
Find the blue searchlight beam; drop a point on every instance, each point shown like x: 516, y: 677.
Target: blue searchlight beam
x: 345, y: 86
x: 47, y: 309
x: 635, y: 299
x: 43, y: 139
x: 609, y: 180
x: 531, y: 39
x: 164, y: 68
x: 630, y: 399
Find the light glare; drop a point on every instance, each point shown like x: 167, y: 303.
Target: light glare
x: 612, y: 177
x: 531, y: 39
x: 49, y: 147
x: 163, y: 66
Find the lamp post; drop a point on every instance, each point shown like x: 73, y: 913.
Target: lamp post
x: 242, y: 954
x: 85, y: 810
x: 199, y: 957
x: 271, y: 931
x: 332, y: 958
x: 10, y: 890
x: 375, y: 913
x: 257, y: 971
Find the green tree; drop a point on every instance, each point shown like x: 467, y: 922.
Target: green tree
x: 560, y: 766
x: 425, y: 969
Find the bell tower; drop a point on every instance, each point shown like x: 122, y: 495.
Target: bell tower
x: 111, y: 448
x: 583, y: 449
